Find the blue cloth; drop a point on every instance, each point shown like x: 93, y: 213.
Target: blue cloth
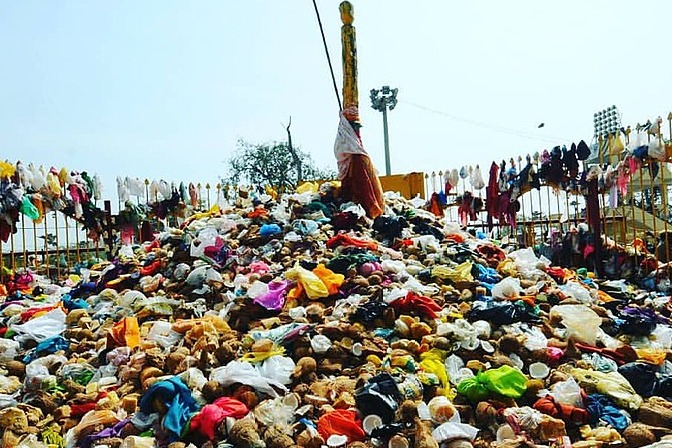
x: 600, y: 407
x: 177, y: 398
x: 72, y: 304
x: 486, y: 274
x: 305, y: 226
x: 48, y: 346
x: 270, y: 229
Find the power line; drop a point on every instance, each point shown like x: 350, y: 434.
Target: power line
x: 329, y: 61
x: 517, y: 132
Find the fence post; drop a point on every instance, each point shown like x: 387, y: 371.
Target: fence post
x: 594, y: 220
x: 108, y: 224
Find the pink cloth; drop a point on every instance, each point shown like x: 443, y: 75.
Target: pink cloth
x: 211, y: 415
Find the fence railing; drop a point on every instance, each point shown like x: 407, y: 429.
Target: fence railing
x: 633, y: 208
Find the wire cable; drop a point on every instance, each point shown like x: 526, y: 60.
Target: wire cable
x: 329, y: 61
x: 517, y: 132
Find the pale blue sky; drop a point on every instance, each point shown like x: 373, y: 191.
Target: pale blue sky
x: 163, y: 89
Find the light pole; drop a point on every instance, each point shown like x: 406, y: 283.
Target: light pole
x: 382, y: 100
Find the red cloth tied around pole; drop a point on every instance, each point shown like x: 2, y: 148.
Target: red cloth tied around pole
x: 211, y: 415
x: 420, y: 304
x: 359, y: 181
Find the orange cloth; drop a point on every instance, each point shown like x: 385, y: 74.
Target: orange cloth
x: 125, y: 332
x: 331, y: 279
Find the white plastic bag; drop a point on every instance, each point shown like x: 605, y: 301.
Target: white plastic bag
x: 507, y: 288
x: 567, y: 392
x: 43, y: 327
x: 245, y: 373
x: 453, y: 430
x: 277, y: 411
x: 277, y: 368
x: 207, y: 237
x: 9, y: 349
x: 257, y: 288
x: 577, y: 291
x: 535, y: 339
x: 162, y: 333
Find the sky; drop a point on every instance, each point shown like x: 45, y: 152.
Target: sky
x: 165, y: 89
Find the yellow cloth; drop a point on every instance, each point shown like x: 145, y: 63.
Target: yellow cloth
x: 313, y: 286
x: 330, y: 279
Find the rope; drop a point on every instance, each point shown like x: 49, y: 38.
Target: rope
x: 329, y: 61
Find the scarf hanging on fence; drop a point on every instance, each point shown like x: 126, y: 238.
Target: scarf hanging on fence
x: 492, y: 201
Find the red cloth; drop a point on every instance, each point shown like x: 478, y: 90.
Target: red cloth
x: 466, y: 209
x: 77, y: 410
x: 341, y: 421
x: 343, y: 239
x: 363, y: 186
x: 151, y: 268
x: 547, y: 405
x: 413, y: 302
x: 30, y: 312
x: 620, y: 355
x: 492, y: 192
x: 211, y: 415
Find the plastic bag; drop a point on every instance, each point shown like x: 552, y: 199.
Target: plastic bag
x: 508, y: 287
x: 162, y: 333
x: 138, y: 442
x: 535, y: 339
x: 246, y: 373
x: 277, y: 411
x: 28, y: 209
x: 341, y: 422
x: 656, y: 150
x: 207, y: 237
x: 473, y: 388
x: 256, y: 289
x: 458, y: 274
x: 581, y: 322
x: 432, y: 361
x: 577, y: 291
x: 9, y: 349
x: 277, y: 368
x: 43, y: 327
x: 506, y: 381
x: 449, y: 431
x: 567, y: 392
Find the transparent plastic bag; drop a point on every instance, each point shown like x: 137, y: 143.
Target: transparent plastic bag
x: 163, y: 334
x: 581, y: 322
x: 9, y: 349
x: 577, y: 291
x: 277, y: 411
x: 567, y: 392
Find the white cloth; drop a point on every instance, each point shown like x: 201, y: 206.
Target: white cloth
x: 346, y: 143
